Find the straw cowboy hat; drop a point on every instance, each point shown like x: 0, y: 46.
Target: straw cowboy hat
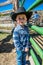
x: 21, y: 10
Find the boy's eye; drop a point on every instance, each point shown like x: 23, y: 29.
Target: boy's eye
x: 21, y: 18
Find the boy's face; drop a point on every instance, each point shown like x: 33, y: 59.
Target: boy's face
x: 21, y: 19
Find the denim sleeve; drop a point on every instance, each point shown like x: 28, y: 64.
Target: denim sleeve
x: 16, y: 40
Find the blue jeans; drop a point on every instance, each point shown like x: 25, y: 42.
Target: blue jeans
x: 21, y: 57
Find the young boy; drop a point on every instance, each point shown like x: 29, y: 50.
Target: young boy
x: 21, y: 35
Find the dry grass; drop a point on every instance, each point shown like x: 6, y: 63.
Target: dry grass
x: 3, y: 35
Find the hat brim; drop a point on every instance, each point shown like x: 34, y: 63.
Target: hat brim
x: 28, y: 15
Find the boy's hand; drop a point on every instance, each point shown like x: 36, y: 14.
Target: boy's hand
x: 26, y: 49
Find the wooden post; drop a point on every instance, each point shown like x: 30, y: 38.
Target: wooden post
x: 16, y: 4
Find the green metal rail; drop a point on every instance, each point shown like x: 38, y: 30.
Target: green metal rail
x: 37, y: 29
x: 35, y: 4
x: 34, y: 57
x: 36, y: 48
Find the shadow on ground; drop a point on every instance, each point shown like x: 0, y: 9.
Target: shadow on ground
x: 5, y: 46
x: 7, y: 39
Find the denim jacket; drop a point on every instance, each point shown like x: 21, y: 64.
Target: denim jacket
x: 21, y: 38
